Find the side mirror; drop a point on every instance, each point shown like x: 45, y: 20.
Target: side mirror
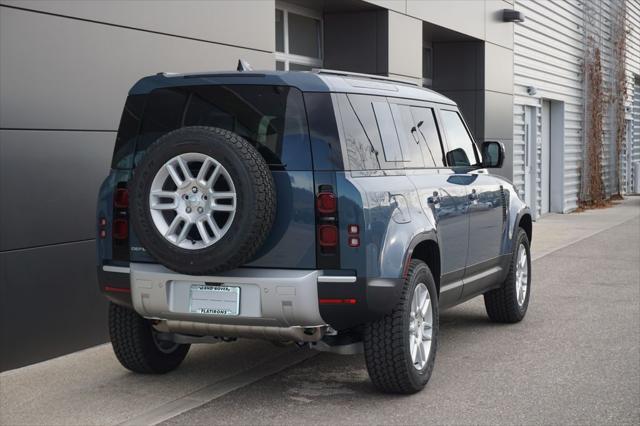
x: 492, y: 154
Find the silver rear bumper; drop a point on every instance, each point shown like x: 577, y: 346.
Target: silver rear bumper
x: 280, y: 298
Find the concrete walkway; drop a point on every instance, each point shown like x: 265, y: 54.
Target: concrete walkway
x: 90, y: 387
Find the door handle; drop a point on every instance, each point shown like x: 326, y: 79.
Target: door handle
x: 473, y: 196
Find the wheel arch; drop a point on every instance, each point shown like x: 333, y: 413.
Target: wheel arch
x: 526, y: 223
x: 425, y: 247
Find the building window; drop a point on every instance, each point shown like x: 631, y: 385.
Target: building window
x: 298, y: 38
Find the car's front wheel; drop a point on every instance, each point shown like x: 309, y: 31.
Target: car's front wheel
x: 400, y: 348
x: 138, y: 346
x: 509, y: 303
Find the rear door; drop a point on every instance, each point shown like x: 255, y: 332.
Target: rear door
x: 375, y: 167
x: 486, y: 214
x: 441, y: 194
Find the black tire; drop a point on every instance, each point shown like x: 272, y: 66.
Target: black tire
x: 386, y: 342
x: 502, y: 303
x: 255, y: 203
x: 135, y: 346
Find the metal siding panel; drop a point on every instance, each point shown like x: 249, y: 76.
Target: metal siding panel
x: 49, y: 184
x: 519, y: 148
x: 548, y: 49
x: 633, y: 83
x: 76, y: 74
x: 215, y: 21
x: 635, y: 128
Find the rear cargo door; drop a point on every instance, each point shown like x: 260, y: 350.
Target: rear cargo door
x: 273, y: 119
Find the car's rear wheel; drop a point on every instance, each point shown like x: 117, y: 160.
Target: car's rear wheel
x: 400, y: 348
x: 509, y: 303
x: 138, y: 346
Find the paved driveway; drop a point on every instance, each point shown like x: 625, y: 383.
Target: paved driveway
x: 574, y: 359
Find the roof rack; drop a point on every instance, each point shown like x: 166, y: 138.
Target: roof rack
x: 360, y: 75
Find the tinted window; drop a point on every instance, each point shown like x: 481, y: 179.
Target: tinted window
x: 304, y: 35
x: 409, y: 142
x: 164, y: 110
x: 272, y: 118
x: 128, y: 132
x: 461, y: 150
x: 427, y: 132
x: 325, y: 141
x: 363, y: 106
x: 387, y: 131
x: 361, y: 150
x: 162, y: 114
x: 279, y: 31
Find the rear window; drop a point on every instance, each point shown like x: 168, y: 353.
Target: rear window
x: 127, y: 132
x: 272, y: 118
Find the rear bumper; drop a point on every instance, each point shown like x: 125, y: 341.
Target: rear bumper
x: 271, y: 300
x: 268, y: 297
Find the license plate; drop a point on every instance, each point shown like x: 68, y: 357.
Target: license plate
x: 214, y: 300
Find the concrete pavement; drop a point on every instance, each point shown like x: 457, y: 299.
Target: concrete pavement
x: 575, y: 358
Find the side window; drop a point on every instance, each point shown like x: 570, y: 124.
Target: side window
x: 409, y: 142
x: 461, y: 150
x: 388, y: 156
x: 387, y: 130
x: 427, y: 131
x: 361, y: 150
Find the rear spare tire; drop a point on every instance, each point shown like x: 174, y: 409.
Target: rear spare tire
x: 202, y: 200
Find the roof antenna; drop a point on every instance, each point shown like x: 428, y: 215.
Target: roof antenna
x: 243, y: 66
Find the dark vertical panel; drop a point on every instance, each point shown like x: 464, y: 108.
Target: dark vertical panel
x: 49, y: 303
x: 49, y: 184
x: 357, y: 41
x: 458, y: 72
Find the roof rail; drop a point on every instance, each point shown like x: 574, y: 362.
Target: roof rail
x: 368, y: 76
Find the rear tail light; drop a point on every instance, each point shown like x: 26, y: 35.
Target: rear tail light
x: 120, y: 229
x: 120, y: 223
x: 327, y: 203
x: 327, y: 225
x: 121, y: 198
x: 328, y: 235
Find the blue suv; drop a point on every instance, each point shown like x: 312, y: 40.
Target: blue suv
x: 336, y: 210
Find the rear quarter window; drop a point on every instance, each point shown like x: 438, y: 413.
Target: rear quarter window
x: 366, y: 120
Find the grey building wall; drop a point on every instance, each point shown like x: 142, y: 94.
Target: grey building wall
x: 65, y: 69
x: 472, y: 56
x: 550, y: 51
